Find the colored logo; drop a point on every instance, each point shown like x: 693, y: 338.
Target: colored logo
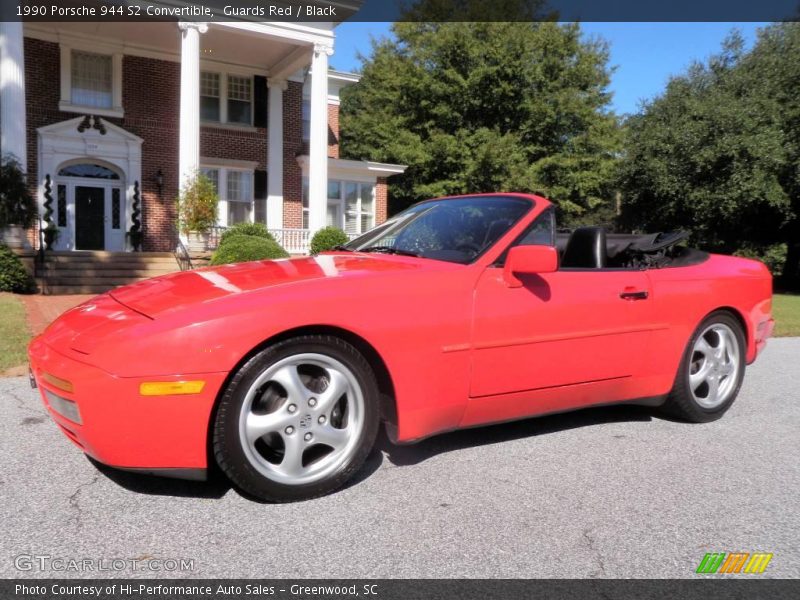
x: 734, y: 562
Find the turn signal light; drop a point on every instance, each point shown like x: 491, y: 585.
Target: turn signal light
x: 61, y: 384
x: 171, y: 388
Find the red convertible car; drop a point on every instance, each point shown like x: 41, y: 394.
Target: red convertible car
x: 455, y: 313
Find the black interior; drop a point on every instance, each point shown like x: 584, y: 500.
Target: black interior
x: 593, y: 248
x: 586, y: 249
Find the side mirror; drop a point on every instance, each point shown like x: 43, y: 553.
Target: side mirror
x: 529, y: 259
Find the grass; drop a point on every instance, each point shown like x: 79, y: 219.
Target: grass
x: 786, y: 311
x: 14, y: 333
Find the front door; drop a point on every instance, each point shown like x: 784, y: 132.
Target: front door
x: 90, y: 218
x: 566, y: 328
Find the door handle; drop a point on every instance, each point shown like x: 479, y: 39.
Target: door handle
x: 634, y: 295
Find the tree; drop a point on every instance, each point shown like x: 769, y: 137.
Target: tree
x: 718, y: 151
x: 487, y: 106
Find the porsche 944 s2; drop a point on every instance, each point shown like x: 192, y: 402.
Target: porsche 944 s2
x: 455, y: 313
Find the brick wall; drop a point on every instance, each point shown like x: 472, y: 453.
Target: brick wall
x: 333, y: 130
x: 293, y: 146
x: 381, y: 200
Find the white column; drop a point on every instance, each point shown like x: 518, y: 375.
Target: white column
x: 318, y: 143
x: 275, y: 154
x: 12, y: 92
x: 189, y: 137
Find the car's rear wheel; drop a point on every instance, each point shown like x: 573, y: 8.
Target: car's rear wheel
x: 711, y: 370
x: 298, y: 419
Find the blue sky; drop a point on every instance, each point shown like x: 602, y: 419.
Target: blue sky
x: 645, y: 54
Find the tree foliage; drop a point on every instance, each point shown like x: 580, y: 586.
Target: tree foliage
x: 719, y: 151
x: 487, y: 106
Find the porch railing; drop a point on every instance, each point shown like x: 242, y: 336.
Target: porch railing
x: 294, y: 241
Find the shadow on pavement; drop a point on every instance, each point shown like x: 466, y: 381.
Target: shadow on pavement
x: 218, y: 486
x: 413, y: 454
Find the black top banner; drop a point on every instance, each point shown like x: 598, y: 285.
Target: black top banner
x: 400, y: 10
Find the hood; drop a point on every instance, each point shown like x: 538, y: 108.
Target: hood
x: 152, y: 297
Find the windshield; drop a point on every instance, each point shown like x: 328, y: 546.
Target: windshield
x: 456, y: 230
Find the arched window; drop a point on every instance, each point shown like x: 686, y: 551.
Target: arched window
x: 88, y: 170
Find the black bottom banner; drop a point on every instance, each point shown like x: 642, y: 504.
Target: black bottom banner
x: 400, y: 589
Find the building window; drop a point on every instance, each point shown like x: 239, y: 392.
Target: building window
x: 115, y: 209
x: 235, y: 189
x: 62, y: 206
x: 209, y: 96
x: 351, y: 205
x: 240, y: 197
x: 235, y: 90
x: 240, y: 99
x: 92, y: 79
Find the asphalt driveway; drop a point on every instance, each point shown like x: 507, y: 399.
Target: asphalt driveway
x: 610, y: 492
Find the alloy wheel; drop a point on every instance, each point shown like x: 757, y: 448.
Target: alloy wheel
x: 714, y: 366
x: 302, y: 418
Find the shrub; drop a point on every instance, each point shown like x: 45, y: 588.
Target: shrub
x: 328, y: 238
x: 773, y: 256
x: 197, y: 204
x: 243, y: 248
x: 16, y: 203
x: 254, y: 229
x: 14, y: 277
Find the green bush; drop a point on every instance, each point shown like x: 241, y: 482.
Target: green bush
x: 16, y: 203
x: 773, y: 256
x: 328, y: 238
x: 13, y: 275
x: 197, y: 204
x: 254, y: 229
x: 243, y: 248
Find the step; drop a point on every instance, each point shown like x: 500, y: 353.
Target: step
x: 49, y: 271
x: 115, y: 260
x: 107, y: 282
x: 106, y: 254
x: 61, y: 290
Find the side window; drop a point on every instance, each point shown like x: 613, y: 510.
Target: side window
x: 542, y: 232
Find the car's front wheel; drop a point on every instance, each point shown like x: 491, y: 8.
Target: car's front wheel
x: 711, y: 370
x: 298, y: 419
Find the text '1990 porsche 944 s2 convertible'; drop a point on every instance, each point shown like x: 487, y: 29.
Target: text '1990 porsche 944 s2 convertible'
x: 454, y: 313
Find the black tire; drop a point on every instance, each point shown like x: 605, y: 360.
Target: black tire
x: 229, y: 450
x: 681, y: 402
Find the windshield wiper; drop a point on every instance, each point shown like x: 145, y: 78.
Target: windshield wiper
x: 389, y: 250
x: 340, y: 247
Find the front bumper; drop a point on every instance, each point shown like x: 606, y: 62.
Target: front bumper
x: 121, y: 428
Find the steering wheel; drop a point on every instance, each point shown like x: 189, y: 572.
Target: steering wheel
x: 468, y: 248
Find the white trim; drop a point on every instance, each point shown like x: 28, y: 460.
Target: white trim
x: 61, y: 143
x: 65, y: 103
x: 368, y: 170
x: 93, y: 43
x: 228, y: 163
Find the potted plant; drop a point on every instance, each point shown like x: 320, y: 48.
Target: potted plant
x: 135, y: 238
x: 17, y: 208
x: 51, y: 233
x: 197, y: 211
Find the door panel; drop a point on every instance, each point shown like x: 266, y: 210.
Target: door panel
x: 558, y: 329
x: 90, y: 218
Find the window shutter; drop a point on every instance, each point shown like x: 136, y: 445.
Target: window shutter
x: 260, y: 185
x: 259, y: 102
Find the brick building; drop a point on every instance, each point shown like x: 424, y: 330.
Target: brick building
x: 109, y: 118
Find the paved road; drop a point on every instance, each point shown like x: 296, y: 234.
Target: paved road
x: 612, y: 492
